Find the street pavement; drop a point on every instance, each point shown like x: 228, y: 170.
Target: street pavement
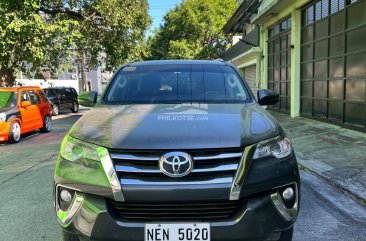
x: 26, y: 203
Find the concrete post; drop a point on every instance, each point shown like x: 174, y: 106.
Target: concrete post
x: 295, y: 62
x: 264, y: 61
x: 258, y: 70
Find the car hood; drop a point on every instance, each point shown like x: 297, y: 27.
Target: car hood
x: 176, y: 126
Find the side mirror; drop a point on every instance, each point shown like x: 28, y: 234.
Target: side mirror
x: 267, y: 97
x: 88, y: 99
x: 25, y: 104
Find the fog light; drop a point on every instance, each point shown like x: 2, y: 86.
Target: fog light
x: 288, y: 194
x: 68, y: 204
x: 65, y: 196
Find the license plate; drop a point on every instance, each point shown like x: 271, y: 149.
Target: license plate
x: 178, y: 232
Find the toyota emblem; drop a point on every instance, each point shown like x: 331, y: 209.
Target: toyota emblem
x: 176, y: 164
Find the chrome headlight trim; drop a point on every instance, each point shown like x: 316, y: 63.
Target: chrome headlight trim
x: 66, y: 217
x: 110, y: 171
x: 242, y: 171
x: 287, y: 213
x: 245, y: 162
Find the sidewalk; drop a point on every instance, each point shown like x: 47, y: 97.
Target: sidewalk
x: 333, y: 153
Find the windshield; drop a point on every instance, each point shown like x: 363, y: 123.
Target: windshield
x: 177, y: 84
x: 8, y: 99
x: 50, y: 92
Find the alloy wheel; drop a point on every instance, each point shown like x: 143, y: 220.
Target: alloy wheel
x: 16, y: 131
x: 76, y: 107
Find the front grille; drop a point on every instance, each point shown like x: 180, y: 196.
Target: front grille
x: 176, y: 211
x: 210, y: 167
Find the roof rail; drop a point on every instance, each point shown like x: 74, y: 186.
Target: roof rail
x: 132, y: 61
x: 220, y: 59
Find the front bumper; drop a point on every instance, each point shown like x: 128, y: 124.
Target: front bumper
x: 4, y: 131
x: 257, y: 220
x: 263, y: 214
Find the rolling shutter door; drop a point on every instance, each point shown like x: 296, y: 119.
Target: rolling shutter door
x: 333, y: 57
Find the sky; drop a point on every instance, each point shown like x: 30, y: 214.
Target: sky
x: 158, y: 8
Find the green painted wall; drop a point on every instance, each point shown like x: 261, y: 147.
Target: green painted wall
x: 295, y: 62
x: 292, y: 8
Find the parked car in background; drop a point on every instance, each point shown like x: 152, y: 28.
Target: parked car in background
x: 62, y: 98
x: 23, y: 109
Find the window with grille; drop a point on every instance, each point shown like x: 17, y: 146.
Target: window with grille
x: 323, y: 8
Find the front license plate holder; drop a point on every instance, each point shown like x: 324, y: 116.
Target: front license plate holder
x: 177, y: 232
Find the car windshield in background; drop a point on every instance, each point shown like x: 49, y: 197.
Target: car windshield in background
x: 50, y: 92
x: 177, y: 84
x: 8, y: 99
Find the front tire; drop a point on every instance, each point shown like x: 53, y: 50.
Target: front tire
x: 47, y: 124
x: 287, y: 235
x: 75, y: 107
x: 14, y: 132
x: 69, y: 237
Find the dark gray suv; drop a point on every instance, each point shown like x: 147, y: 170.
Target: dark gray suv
x: 177, y: 151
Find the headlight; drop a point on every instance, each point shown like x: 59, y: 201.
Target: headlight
x: 2, y: 117
x: 85, y: 153
x: 77, y: 151
x: 277, y: 147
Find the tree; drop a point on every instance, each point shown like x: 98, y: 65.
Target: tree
x: 51, y: 32
x: 193, y: 30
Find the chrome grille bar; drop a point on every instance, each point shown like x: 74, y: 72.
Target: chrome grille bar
x: 222, y: 168
x: 156, y: 158
x: 128, y: 181
x: 210, y: 167
x: 133, y: 169
x: 220, y: 156
x: 133, y: 157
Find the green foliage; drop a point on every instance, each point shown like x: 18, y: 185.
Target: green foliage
x: 54, y: 33
x: 193, y: 30
x: 181, y: 49
x: 118, y: 34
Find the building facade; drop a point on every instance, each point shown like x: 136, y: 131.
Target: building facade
x: 96, y: 78
x: 245, y: 53
x: 312, y: 53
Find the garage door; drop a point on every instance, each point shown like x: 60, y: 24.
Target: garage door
x: 333, y: 61
x: 279, y: 62
x: 250, y: 76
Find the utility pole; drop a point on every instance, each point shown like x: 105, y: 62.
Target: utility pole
x: 77, y: 76
x: 82, y: 80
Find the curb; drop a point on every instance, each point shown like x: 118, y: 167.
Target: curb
x: 355, y: 192
x: 324, y: 191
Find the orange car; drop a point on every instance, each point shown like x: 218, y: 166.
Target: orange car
x: 23, y: 109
